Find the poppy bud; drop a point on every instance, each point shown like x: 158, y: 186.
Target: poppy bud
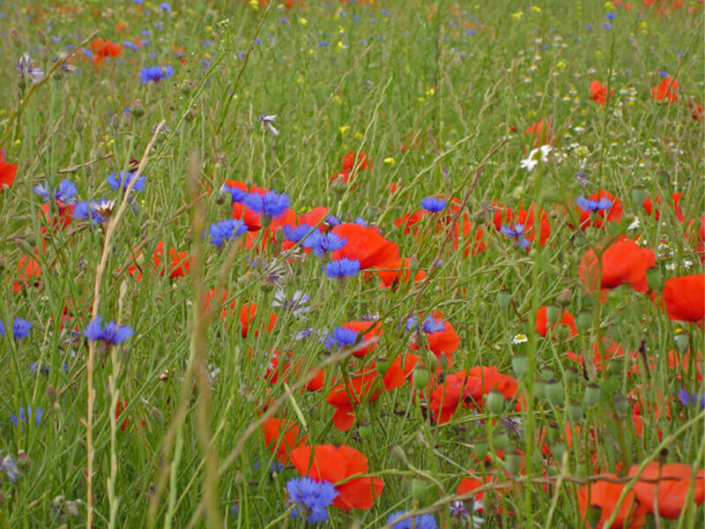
x: 583, y: 322
x: 564, y: 298
x: 593, y: 516
x: 575, y: 412
x: 520, y: 364
x: 639, y: 195
x: 52, y: 395
x: 621, y: 404
x: 419, y: 488
x: 558, y: 451
x: 552, y: 314
x: 654, y: 278
x: 512, y: 462
x: 504, y: 298
x: 398, y: 453
x: 562, y: 333
x: 592, y: 395
x: 495, y: 402
x: 444, y: 361
x: 480, y: 450
x: 431, y: 362
x: 185, y: 87
x: 421, y: 377
x: 501, y: 441
x: 555, y: 393
x: 339, y: 186
x: 137, y: 109
x: 682, y: 342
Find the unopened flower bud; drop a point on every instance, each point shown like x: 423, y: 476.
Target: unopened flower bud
x: 366, y: 432
x: 419, y: 488
x: 480, y: 450
x: 512, y: 462
x: 552, y: 315
x: 557, y: 451
x: 52, y: 395
x: 682, y: 342
x: 382, y: 366
x: 564, y: 298
x: 575, y: 412
x: 421, y: 378
x: 594, y: 515
x: 654, y: 278
x: 583, y: 322
x: 621, y: 405
x: 639, y: 195
x: 539, y: 389
x: 504, y: 298
x: 398, y: 453
x: 501, y: 441
x: 137, y: 109
x: 186, y: 87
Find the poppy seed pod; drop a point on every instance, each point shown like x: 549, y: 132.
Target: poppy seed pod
x: 365, y: 432
x: 654, y: 278
x: 564, y: 298
x: 520, y: 365
x: 495, y: 402
x: 558, y: 451
x: 592, y: 395
x: 398, y: 453
x: 593, y: 516
x: 547, y: 375
x: 421, y: 378
x: 571, y: 375
x: 504, y: 298
x: 562, y: 333
x: 621, y: 404
x: 383, y: 366
x: 552, y: 314
x: 480, y: 450
x: 583, y: 322
x: 639, y: 195
x: 501, y: 441
x: 512, y: 463
x: 555, y: 393
x: 682, y: 342
x: 539, y: 389
x: 575, y: 412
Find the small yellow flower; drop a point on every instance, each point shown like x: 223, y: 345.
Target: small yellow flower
x: 536, y: 9
x: 422, y: 99
x: 234, y: 96
x: 517, y: 15
x: 430, y: 92
x: 17, y: 142
x: 303, y: 21
x: 254, y: 4
x: 390, y: 161
x: 340, y: 45
x: 358, y: 135
x: 344, y: 129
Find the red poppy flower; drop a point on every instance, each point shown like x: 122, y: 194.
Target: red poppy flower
x: 366, y: 245
x: 696, y: 110
x: 277, y: 370
x: 179, y: 263
x: 335, y: 464
x: 623, y: 263
x: 282, y: 436
x: 649, y: 206
x: 674, y: 482
x: 371, y: 331
x: 597, y: 218
x: 28, y: 273
x: 504, y: 215
x: 240, y: 211
x: 684, y: 297
x: 566, y: 318
x: 399, y: 275
x: 445, y: 341
x: 8, y: 171
x: 346, y: 396
x: 541, y: 130
x: 352, y: 164
x: 603, y: 495
x: 599, y: 92
x: 49, y: 217
x: 606, y: 351
x: 248, y: 312
x: 667, y: 91
x: 103, y: 49
x: 121, y: 406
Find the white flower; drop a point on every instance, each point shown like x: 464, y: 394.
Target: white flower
x: 267, y: 120
x: 536, y: 156
x: 635, y: 224
x: 520, y: 338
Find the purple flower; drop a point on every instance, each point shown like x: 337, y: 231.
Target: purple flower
x: 9, y: 467
x: 342, y: 337
x: 236, y: 194
x: 25, y: 415
x: 687, y: 399
x: 225, y: 230
x: 433, y: 204
x: 154, y: 74
x: 324, y: 243
x: 296, y: 233
x: 20, y: 328
x: 270, y: 204
x: 342, y: 268
x: 587, y: 204
x: 88, y: 210
x: 311, y: 498
x: 111, y: 333
x: 65, y: 193
x: 517, y: 233
x: 123, y: 180
x: 422, y: 521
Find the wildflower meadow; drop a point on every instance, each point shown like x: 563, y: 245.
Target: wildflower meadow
x: 406, y: 264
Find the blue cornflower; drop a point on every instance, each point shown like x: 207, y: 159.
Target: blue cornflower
x: 361, y: 222
x: 432, y: 324
x: 342, y: 337
x: 458, y: 510
x: 687, y: 399
x: 111, y: 333
x: 123, y: 180
x: 20, y: 328
x: 333, y: 221
x: 433, y: 204
x: 9, y: 467
x: 342, y: 268
x: 35, y: 368
x: 236, y: 194
x: 270, y: 204
x: 517, y: 232
x: 88, y: 210
x: 311, y: 498
x: 323, y: 43
x: 422, y: 521
x: 296, y: 233
x: 324, y: 243
x: 65, y: 193
x: 610, y: 16
x: 587, y: 204
x: 25, y: 416
x: 225, y: 230
x: 154, y: 74
x: 165, y: 7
